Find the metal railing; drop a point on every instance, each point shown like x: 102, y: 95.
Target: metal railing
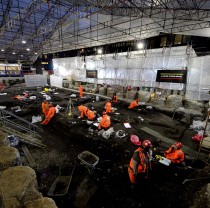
x: 12, y: 121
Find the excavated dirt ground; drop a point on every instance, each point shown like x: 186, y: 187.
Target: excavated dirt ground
x: 107, y: 184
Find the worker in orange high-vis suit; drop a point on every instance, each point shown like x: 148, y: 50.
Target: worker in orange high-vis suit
x: 134, y: 104
x: 45, y: 107
x: 115, y: 98
x: 90, y: 114
x: 80, y: 90
x: 108, y: 106
x: 175, y: 154
x: 105, y: 121
x: 82, y: 109
x: 51, y: 112
x: 140, y: 163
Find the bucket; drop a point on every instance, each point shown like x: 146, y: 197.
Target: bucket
x: 88, y: 158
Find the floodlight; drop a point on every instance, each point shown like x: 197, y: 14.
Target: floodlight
x: 99, y: 51
x: 140, y: 45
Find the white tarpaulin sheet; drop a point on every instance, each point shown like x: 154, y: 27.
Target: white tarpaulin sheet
x: 56, y: 81
x: 139, y: 69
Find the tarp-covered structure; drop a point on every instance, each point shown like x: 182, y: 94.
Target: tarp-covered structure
x: 139, y: 69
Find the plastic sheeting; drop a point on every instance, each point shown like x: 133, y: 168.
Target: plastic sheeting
x: 139, y: 69
x: 56, y: 81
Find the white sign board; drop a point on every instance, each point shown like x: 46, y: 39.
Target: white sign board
x: 35, y: 80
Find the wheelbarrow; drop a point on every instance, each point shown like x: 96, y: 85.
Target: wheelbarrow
x: 61, y: 184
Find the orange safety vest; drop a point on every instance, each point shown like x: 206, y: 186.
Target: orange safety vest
x: 51, y: 112
x: 90, y: 114
x: 175, y: 155
x: 108, y: 107
x: 133, y: 104
x: 80, y: 90
x: 105, y: 122
x: 139, y: 163
x: 83, y: 110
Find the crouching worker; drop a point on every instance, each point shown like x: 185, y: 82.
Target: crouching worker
x: 82, y: 109
x: 51, y: 112
x: 175, y: 154
x: 140, y: 163
x: 108, y: 106
x: 105, y: 122
x: 90, y: 114
x: 134, y: 104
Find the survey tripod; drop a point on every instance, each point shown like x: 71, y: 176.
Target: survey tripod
x: 70, y: 110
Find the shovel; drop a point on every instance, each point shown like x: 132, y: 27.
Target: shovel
x: 195, y: 179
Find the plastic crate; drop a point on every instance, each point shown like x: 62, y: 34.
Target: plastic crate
x: 88, y: 158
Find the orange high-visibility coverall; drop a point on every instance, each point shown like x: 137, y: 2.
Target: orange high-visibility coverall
x: 139, y: 163
x: 105, y: 122
x: 90, y: 114
x: 108, y: 107
x: 82, y: 109
x: 134, y: 104
x: 50, y: 114
x: 45, y: 108
x: 80, y: 90
x: 174, y: 154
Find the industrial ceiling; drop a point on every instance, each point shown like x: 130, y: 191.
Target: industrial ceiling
x: 29, y: 28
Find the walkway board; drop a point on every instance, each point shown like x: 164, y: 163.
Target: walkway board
x: 28, y: 156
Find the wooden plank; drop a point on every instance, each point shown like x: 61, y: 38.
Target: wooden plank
x: 28, y: 156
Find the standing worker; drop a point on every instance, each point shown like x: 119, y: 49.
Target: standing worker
x: 140, y: 163
x: 134, y: 104
x: 115, y: 98
x: 80, y: 90
x: 51, y: 112
x: 45, y: 107
x: 105, y: 121
x: 108, y: 106
x: 175, y: 154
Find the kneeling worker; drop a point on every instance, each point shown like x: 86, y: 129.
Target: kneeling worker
x: 134, y: 104
x: 82, y: 109
x: 175, y: 154
x: 105, y: 122
x: 90, y: 114
x: 51, y: 112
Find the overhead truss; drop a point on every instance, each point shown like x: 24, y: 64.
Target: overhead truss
x: 50, y: 26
